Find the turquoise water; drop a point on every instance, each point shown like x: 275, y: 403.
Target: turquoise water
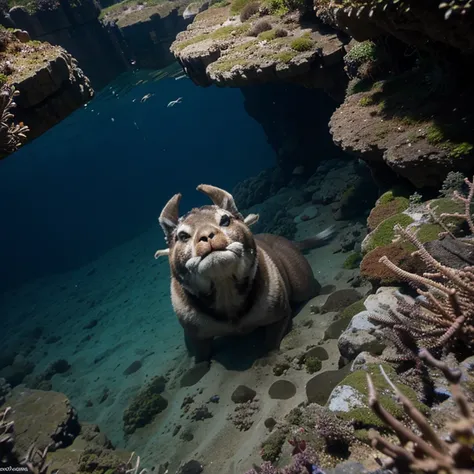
x: 79, y: 285
x: 102, y: 175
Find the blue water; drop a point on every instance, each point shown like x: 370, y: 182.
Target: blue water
x: 102, y: 175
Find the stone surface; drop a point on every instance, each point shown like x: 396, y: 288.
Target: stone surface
x: 345, y: 398
x: 50, y: 86
x: 362, y: 359
x: 76, y: 28
x: 234, y: 58
x: 43, y: 419
x: 194, y: 374
x: 341, y: 299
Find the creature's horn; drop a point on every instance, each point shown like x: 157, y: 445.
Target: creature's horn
x: 221, y: 198
x: 169, y: 216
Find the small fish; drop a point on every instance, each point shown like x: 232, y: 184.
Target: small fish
x: 145, y: 98
x: 113, y: 120
x: 174, y: 102
x: 180, y: 77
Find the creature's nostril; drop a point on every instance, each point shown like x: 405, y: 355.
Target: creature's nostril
x: 203, y: 239
x: 211, y: 235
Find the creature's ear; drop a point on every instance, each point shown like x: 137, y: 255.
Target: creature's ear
x: 251, y: 219
x: 221, y: 198
x: 162, y: 253
x: 169, y: 217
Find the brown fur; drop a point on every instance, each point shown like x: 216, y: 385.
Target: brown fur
x: 225, y: 280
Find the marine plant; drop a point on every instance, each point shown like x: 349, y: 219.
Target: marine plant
x: 302, y: 44
x: 12, y: 135
x: 454, y: 181
x: 443, y: 314
x: 145, y: 406
x: 304, y: 461
x: 425, y: 450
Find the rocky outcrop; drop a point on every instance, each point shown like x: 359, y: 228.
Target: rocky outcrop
x: 49, y: 82
x: 43, y: 419
x: 219, y: 48
x: 43, y: 429
x: 388, y: 130
x: 148, y: 34
x: 75, y: 26
x: 425, y: 24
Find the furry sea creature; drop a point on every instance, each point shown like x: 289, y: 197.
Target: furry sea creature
x: 227, y: 281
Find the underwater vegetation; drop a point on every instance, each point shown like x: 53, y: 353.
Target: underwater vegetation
x: 429, y: 452
x: 440, y: 318
x: 11, y: 135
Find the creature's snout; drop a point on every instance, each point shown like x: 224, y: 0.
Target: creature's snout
x: 209, y: 239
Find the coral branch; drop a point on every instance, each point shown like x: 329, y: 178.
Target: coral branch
x: 428, y: 453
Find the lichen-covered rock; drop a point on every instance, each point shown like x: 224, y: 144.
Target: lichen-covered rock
x: 386, y: 209
x: 43, y: 419
x: 48, y: 80
x: 221, y: 49
x: 90, y: 452
x: 345, y: 398
x: 370, y: 125
x: 349, y: 399
x: 384, y: 232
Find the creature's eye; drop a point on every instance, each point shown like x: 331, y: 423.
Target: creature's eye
x: 183, y: 236
x: 225, y: 221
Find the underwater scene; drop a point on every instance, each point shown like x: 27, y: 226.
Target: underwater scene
x: 236, y: 237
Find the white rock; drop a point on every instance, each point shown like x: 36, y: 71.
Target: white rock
x: 345, y: 398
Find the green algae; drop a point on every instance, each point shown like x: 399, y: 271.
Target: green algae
x: 313, y: 364
x: 219, y: 33
x: 384, y: 233
x: 352, y: 261
x: 302, y: 44
x: 364, y: 417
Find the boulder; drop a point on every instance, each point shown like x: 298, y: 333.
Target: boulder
x: 43, y: 419
x: 359, y: 337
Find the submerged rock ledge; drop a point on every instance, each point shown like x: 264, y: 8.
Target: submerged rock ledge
x: 218, y: 48
x: 49, y: 82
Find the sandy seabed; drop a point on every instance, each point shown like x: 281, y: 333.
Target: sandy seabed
x: 116, y: 311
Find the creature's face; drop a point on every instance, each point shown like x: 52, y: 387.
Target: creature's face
x: 209, y: 245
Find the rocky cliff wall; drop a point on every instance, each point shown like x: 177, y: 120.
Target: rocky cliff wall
x: 76, y: 28
x: 149, y: 37
x: 49, y: 85
x: 398, y: 70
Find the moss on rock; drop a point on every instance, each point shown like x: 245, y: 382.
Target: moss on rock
x: 352, y: 310
x: 364, y: 417
x: 448, y: 206
x: 388, y: 208
x: 302, y: 44
x: 352, y: 261
x: 398, y: 253
x: 384, y: 233
x: 145, y: 406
